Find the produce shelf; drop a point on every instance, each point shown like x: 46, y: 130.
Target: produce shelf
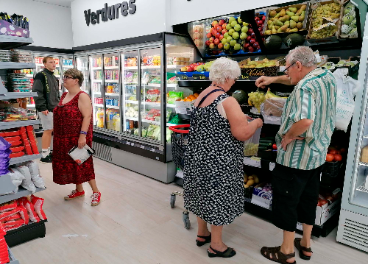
x: 16, y: 65
x: 25, y: 233
x: 24, y: 159
x: 12, y: 42
x: 9, y: 125
x: 14, y: 95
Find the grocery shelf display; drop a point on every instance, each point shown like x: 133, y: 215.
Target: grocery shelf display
x: 96, y: 75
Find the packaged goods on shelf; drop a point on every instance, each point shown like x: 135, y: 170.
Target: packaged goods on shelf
x: 19, y: 82
x: 130, y: 62
x: 4, y: 156
x: 5, y: 56
x: 21, y: 56
x: 16, y: 20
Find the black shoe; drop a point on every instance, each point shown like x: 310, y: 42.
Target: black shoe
x: 46, y: 159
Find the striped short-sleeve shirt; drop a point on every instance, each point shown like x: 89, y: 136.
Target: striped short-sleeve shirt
x: 314, y: 98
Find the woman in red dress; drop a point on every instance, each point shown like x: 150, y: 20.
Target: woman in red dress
x: 73, y: 127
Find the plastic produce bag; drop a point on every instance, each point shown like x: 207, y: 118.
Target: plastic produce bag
x: 27, y: 182
x: 35, y: 175
x: 347, y: 87
x: 38, y: 204
x: 252, y: 144
x: 274, y: 106
x: 16, y: 177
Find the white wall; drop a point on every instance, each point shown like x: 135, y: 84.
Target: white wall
x: 50, y: 25
x: 149, y: 19
x: 183, y: 11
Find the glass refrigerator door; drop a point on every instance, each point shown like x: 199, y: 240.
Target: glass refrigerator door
x: 95, y: 63
x: 359, y: 193
x: 82, y: 65
x: 66, y: 64
x: 151, y: 93
x: 112, y: 91
x: 130, y: 92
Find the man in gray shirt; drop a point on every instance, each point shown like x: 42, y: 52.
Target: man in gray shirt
x: 47, y: 87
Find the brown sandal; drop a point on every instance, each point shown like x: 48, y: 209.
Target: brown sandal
x: 275, y: 254
x: 301, y: 249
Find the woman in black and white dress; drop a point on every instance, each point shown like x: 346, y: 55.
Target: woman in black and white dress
x: 213, y: 174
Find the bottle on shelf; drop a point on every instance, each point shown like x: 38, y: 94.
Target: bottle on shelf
x: 100, y: 118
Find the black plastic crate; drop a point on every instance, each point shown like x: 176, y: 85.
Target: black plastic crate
x: 25, y: 233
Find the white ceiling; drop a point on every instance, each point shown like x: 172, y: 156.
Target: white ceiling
x: 66, y: 3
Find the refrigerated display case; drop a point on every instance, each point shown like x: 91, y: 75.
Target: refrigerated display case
x: 81, y: 63
x: 353, y: 222
x: 132, y: 109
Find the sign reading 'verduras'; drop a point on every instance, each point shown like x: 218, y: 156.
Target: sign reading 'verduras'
x: 110, y: 12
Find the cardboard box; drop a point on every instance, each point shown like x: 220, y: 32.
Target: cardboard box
x: 9, y: 29
x: 262, y: 198
x: 332, y: 39
x: 326, y: 211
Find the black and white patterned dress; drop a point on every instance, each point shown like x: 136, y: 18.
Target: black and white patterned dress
x: 213, y: 167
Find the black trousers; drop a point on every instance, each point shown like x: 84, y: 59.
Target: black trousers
x: 295, y: 196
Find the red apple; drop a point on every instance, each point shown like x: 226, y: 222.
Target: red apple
x: 212, y: 46
x: 260, y: 29
x: 190, y: 69
x: 221, y: 37
x: 252, y: 41
x: 221, y: 22
x: 219, y: 28
x: 216, y: 41
x: 256, y: 45
x: 220, y: 45
x: 218, y: 34
x: 209, y: 35
x: 224, y: 31
x: 253, y: 35
x: 212, y: 39
x: 256, y: 18
x: 214, y: 23
x: 250, y: 25
x: 260, y: 23
x: 208, y: 43
x: 250, y: 49
x: 263, y: 18
x: 224, y: 26
x: 213, y: 31
x: 250, y: 31
x: 246, y: 45
x: 249, y: 38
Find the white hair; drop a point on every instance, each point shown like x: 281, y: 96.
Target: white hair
x: 224, y: 68
x: 304, y: 55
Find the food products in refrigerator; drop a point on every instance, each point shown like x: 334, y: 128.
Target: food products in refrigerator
x: 364, y: 155
x: 131, y: 77
x: 111, y: 61
x: 113, y: 119
x: 132, y: 112
x: 153, y: 115
x: 112, y: 101
x: 67, y: 62
x: 154, y: 60
x: 96, y: 62
x: 100, y: 118
x: 130, y: 62
x: 112, y: 75
x: 153, y: 95
x: 96, y: 87
x: 112, y: 88
x: 97, y: 75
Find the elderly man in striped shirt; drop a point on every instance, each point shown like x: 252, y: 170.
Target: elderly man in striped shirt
x: 308, y: 121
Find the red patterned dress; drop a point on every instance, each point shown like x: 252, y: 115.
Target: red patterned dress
x: 67, y: 126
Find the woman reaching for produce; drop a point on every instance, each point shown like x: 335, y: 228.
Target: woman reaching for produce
x: 73, y: 127
x: 213, y: 170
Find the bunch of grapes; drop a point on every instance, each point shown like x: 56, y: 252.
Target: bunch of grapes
x: 256, y: 99
x: 250, y: 149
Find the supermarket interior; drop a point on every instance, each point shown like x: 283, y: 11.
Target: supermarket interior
x: 143, y: 80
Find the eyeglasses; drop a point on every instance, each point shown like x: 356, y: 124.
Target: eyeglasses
x: 68, y: 77
x: 286, y: 70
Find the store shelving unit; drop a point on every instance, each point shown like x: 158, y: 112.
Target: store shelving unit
x: 34, y: 230
x: 12, y: 258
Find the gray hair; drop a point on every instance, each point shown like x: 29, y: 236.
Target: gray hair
x: 304, y: 55
x: 224, y: 68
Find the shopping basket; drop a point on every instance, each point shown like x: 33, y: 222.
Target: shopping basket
x: 179, y: 141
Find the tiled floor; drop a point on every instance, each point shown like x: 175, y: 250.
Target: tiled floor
x: 135, y: 224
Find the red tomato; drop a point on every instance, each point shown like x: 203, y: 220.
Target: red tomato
x: 338, y: 157
x: 332, y: 152
x: 274, y: 146
x: 329, y: 157
x: 342, y: 151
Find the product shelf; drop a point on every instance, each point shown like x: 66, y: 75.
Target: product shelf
x: 111, y: 67
x: 9, y: 125
x: 112, y: 107
x: 111, y: 81
x: 25, y: 233
x: 362, y: 189
x: 16, y: 65
x: 12, y: 42
x: 110, y: 94
x: 13, y: 95
x: 24, y: 159
x: 8, y: 186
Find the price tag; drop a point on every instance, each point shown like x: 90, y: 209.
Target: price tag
x: 272, y: 166
x: 201, y: 77
x: 142, y: 147
x: 132, y: 144
x: 153, y: 150
x: 243, y: 77
x: 183, y: 77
